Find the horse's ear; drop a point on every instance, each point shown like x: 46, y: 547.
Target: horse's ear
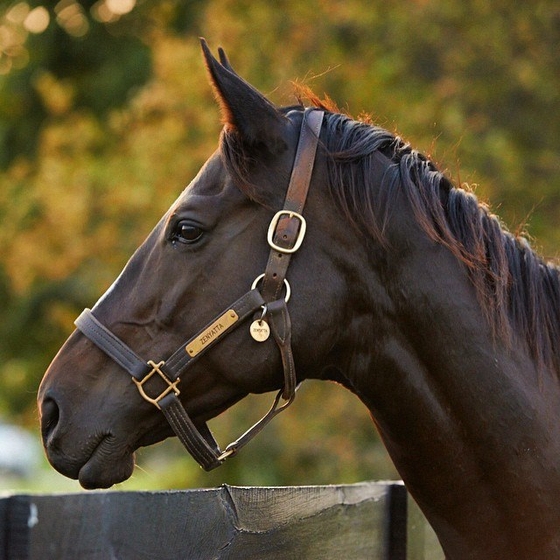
x: 256, y: 119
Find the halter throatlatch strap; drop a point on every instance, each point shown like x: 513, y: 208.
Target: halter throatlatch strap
x: 285, y: 235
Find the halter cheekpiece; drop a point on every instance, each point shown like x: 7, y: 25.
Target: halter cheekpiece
x: 265, y: 302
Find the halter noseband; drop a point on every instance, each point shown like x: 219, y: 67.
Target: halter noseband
x: 285, y: 235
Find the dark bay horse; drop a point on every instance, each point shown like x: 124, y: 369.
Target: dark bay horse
x: 402, y: 288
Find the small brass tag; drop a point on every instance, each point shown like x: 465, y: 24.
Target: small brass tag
x: 212, y: 333
x: 260, y: 330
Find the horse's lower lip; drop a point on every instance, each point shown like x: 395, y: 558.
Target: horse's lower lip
x: 107, y: 465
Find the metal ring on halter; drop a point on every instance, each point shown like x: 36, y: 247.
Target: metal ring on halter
x: 286, y: 283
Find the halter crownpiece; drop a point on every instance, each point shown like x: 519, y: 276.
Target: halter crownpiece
x: 285, y: 236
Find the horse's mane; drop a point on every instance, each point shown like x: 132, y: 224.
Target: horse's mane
x: 517, y: 290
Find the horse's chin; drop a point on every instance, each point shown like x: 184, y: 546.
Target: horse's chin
x: 106, y: 466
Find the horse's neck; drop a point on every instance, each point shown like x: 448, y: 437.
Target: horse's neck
x: 466, y: 420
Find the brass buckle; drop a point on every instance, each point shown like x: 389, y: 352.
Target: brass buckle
x: 171, y: 385
x: 274, y: 224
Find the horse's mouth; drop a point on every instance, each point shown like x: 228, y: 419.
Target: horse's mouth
x: 108, y: 464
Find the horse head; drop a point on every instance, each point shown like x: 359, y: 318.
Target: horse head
x: 209, y: 250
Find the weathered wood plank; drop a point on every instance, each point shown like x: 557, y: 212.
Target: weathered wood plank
x: 366, y: 520
x: 303, y: 522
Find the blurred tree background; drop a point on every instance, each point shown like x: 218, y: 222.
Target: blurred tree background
x: 106, y: 113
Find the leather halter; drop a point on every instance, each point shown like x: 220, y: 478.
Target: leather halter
x: 285, y: 235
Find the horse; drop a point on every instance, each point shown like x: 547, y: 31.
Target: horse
x: 314, y: 246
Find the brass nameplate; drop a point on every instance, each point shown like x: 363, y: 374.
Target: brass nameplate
x: 212, y: 333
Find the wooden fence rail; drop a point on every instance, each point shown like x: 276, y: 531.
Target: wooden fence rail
x: 354, y: 521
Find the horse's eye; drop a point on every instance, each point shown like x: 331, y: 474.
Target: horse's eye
x: 186, y: 232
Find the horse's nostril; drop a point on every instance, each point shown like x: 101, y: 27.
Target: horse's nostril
x: 49, y: 418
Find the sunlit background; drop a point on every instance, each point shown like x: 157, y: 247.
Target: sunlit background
x: 106, y: 114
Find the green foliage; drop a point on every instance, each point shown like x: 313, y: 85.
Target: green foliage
x: 103, y: 123
x: 91, y: 64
